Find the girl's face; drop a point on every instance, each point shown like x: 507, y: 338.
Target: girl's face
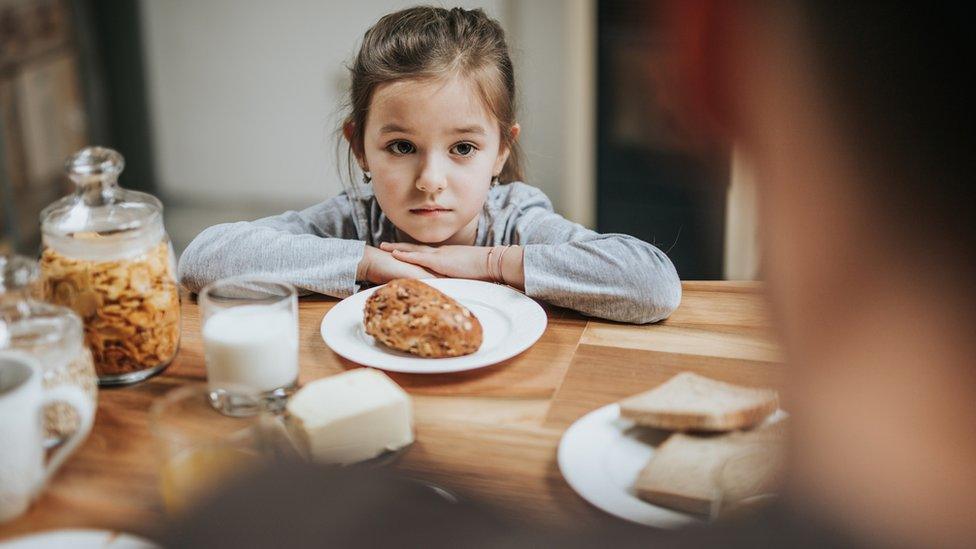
x: 432, y: 149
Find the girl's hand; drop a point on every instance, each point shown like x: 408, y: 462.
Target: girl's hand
x: 463, y: 261
x: 449, y: 261
x: 380, y: 267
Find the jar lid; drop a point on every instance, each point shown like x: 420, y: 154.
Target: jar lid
x: 35, y: 324
x: 24, y: 322
x: 99, y: 206
x: 17, y: 273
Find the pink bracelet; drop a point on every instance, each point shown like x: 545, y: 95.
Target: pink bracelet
x: 501, y: 272
x: 491, y: 250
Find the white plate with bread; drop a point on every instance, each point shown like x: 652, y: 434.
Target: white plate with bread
x: 433, y: 326
x: 675, y: 454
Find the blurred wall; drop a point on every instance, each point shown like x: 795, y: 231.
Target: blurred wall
x: 554, y: 50
x: 245, y: 95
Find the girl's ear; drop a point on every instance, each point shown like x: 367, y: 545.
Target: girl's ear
x: 515, y: 131
x: 348, y: 131
x: 504, y: 149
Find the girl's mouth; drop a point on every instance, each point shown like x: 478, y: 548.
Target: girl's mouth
x: 429, y: 212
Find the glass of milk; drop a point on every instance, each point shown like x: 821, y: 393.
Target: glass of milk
x: 250, y: 342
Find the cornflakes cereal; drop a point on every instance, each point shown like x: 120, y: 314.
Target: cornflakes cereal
x: 131, y: 307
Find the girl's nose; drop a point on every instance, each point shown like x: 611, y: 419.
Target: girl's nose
x: 432, y: 178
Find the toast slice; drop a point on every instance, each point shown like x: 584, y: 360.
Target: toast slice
x: 691, y: 473
x: 690, y: 402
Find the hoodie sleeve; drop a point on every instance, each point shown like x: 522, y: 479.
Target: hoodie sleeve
x: 314, y: 249
x: 612, y: 276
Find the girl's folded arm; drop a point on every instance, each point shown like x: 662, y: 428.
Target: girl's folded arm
x: 612, y: 276
x: 315, y: 249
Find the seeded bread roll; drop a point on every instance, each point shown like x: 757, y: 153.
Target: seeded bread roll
x: 411, y: 316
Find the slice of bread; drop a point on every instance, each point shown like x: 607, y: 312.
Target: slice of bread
x: 692, y: 473
x: 690, y: 402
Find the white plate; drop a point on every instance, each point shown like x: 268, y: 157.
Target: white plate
x: 510, y: 322
x: 600, y: 456
x: 78, y: 539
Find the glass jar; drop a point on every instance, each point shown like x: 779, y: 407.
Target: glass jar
x: 107, y: 256
x: 51, y: 334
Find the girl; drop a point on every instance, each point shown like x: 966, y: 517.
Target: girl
x: 432, y: 126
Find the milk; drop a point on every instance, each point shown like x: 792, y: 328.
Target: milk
x: 251, y: 346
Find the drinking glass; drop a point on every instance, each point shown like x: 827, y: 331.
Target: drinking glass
x: 250, y: 341
x: 200, y: 449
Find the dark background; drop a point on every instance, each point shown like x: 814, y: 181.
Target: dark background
x: 655, y: 181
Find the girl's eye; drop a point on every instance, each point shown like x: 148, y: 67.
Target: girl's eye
x: 401, y: 147
x: 463, y: 149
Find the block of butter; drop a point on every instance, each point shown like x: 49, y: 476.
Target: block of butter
x: 350, y: 417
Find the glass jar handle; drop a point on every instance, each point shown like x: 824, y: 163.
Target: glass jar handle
x: 95, y: 172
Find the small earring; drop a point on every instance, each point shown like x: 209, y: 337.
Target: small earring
x: 494, y: 180
x: 367, y: 178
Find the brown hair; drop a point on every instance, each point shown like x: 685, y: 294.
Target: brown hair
x: 430, y: 42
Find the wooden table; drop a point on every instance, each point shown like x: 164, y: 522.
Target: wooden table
x: 490, y: 433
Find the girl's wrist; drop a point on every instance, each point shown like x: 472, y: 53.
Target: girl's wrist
x: 511, y: 267
x: 362, y: 270
x: 504, y: 264
x: 493, y: 264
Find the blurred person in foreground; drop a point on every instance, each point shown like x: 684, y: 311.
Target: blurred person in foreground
x: 852, y: 116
